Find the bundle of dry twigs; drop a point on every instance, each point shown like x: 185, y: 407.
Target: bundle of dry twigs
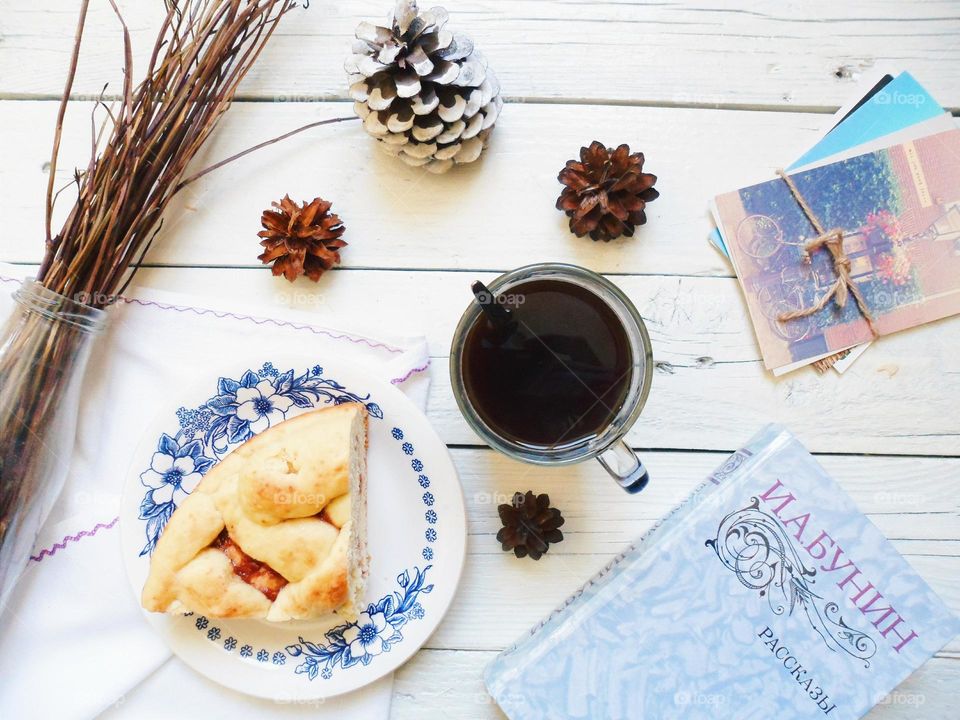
x: 140, y: 153
x: 203, y: 50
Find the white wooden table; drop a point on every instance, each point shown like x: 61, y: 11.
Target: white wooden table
x: 715, y: 93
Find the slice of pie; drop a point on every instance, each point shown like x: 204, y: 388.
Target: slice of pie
x: 276, y: 530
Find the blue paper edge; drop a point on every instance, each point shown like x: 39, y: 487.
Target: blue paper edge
x: 865, y: 124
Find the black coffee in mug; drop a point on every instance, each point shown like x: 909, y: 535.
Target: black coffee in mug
x: 552, y: 365
x: 557, y: 372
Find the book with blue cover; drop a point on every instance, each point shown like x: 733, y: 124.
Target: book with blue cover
x: 766, y: 593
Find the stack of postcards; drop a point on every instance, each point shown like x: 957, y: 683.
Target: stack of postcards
x: 887, y: 177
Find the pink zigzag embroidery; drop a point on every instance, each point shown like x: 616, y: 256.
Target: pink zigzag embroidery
x: 261, y: 321
x: 357, y: 340
x: 52, y: 550
x: 397, y: 381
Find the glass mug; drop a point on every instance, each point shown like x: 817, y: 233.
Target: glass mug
x: 633, y: 350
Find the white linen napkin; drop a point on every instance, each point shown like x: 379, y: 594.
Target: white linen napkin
x: 74, y: 642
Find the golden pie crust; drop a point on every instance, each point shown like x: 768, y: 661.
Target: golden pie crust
x: 276, y: 530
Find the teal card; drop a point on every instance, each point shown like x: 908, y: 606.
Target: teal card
x: 902, y: 103
x: 899, y: 104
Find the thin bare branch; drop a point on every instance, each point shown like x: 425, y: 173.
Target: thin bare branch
x: 260, y: 146
x: 61, y: 114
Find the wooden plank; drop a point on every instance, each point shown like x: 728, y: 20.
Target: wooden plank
x: 710, y: 390
x: 706, y: 53
x: 495, y: 214
x: 442, y: 684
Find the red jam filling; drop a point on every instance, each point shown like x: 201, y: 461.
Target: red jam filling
x: 253, y: 572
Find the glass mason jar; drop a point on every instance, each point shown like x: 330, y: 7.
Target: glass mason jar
x: 44, y: 348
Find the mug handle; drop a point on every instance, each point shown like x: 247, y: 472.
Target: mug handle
x: 625, y: 467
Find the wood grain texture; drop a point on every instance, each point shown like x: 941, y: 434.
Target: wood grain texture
x: 497, y: 213
x: 710, y: 390
x: 707, y: 53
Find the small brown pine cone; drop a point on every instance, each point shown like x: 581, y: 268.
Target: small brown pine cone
x: 606, y: 192
x: 529, y: 525
x: 301, y: 239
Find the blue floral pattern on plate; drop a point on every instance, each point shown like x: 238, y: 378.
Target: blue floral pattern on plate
x: 375, y: 631
x: 258, y: 401
x: 175, y: 470
x: 239, y: 410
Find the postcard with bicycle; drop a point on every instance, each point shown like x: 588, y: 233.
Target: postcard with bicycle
x: 899, y: 256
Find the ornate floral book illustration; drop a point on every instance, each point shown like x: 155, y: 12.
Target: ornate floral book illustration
x: 766, y: 593
x: 899, y: 212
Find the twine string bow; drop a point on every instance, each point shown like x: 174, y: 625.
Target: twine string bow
x: 832, y: 240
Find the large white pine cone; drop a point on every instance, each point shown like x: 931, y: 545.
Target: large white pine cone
x: 423, y: 92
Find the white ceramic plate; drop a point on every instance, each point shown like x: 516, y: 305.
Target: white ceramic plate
x: 416, y: 536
